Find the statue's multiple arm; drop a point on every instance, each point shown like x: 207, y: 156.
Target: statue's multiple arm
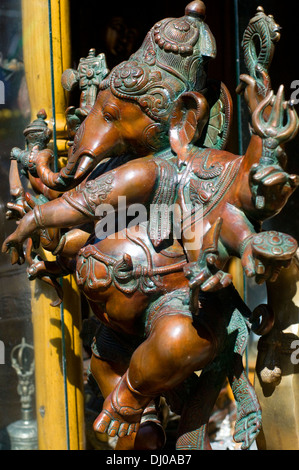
x: 135, y: 181
x: 261, y: 190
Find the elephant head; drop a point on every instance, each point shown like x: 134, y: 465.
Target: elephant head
x: 139, y: 99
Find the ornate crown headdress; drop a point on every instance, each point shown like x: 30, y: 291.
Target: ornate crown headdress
x: 170, y: 61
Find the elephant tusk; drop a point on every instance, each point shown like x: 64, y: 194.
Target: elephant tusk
x: 84, y: 167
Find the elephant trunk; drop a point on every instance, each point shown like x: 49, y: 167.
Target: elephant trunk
x: 70, y: 175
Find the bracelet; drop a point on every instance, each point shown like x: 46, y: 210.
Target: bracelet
x: 244, y: 244
x: 130, y: 387
x: 38, y: 217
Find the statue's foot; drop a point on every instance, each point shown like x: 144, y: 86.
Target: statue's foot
x: 122, y: 411
x: 114, y: 424
x: 249, y: 415
x: 247, y: 429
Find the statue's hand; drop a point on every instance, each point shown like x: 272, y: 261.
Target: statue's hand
x: 271, y: 186
x: 209, y: 277
x: 205, y: 274
x: 13, y: 245
x: 264, y: 255
x: 272, y: 175
x: 17, y: 209
x: 206, y: 278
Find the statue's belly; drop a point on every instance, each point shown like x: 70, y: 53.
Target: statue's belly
x: 121, y: 277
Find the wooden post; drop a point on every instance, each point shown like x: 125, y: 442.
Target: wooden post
x: 59, y: 403
x: 59, y: 395
x: 36, y: 52
x: 280, y: 400
x: 236, y: 270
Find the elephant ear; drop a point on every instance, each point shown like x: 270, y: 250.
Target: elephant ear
x: 217, y: 131
x: 188, y: 119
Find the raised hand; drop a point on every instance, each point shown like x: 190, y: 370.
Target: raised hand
x: 14, y: 242
x: 264, y: 255
x: 204, y: 274
x: 271, y: 186
x: 14, y: 247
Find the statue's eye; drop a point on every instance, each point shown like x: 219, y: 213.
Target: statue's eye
x: 108, y: 117
x: 110, y: 113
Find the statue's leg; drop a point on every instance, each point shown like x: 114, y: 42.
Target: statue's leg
x: 106, y: 373
x: 199, y: 404
x: 198, y: 407
x: 150, y: 435
x: 248, y: 422
x: 173, y: 350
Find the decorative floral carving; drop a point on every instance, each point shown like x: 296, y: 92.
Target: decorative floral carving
x: 176, y: 35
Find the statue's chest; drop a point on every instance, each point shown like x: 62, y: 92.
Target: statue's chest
x: 204, y: 182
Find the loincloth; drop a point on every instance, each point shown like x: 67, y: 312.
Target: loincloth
x: 112, y: 346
